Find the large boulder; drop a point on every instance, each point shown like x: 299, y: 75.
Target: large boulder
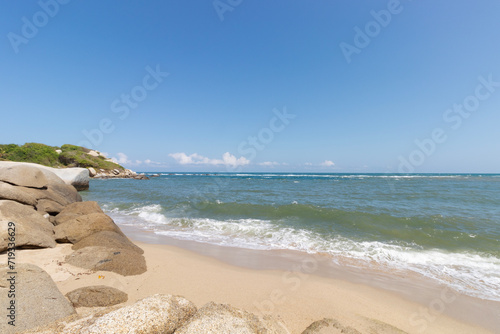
x: 108, y: 239
x: 220, y: 318
x: 329, y: 326
x: 37, y: 300
x: 121, y: 261
x: 77, y: 177
x: 154, y: 314
x: 18, y: 194
x: 24, y: 176
x: 76, y: 209
x: 83, y: 226
x: 32, y: 230
x: 92, y: 172
x: 96, y: 296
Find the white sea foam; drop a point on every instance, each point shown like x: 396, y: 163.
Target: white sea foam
x: 473, y: 274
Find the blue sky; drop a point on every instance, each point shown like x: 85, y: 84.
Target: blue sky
x: 229, y: 85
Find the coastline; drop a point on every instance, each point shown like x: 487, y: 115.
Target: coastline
x: 295, y: 298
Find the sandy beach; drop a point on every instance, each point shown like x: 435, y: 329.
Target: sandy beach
x: 295, y: 298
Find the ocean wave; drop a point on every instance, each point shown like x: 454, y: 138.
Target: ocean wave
x: 472, y: 273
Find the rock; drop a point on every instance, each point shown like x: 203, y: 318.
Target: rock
x: 77, y: 177
x: 219, y: 318
x: 121, y: 261
x: 58, y: 151
x: 154, y: 314
x: 82, y: 226
x: 108, y: 239
x: 59, y: 193
x: 48, y: 206
x: 24, y: 176
x: 141, y: 177
x: 32, y: 230
x: 130, y: 172
x: 115, y: 171
x: 93, y: 153
x: 329, y: 326
x: 96, y: 296
x: 92, y: 172
x: 18, y: 194
x: 76, y: 209
x: 38, y: 301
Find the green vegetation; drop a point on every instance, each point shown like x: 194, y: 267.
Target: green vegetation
x: 71, y: 156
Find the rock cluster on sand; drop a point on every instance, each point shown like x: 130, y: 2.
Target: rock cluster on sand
x: 31, y: 197
x: 46, y: 210
x: 166, y: 314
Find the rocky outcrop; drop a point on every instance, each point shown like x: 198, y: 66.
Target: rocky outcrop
x: 108, y: 239
x: 28, y: 184
x: 32, y: 230
x: 220, y: 318
x: 96, y: 296
x: 119, y: 174
x: 77, y: 177
x: 121, y: 261
x: 37, y: 299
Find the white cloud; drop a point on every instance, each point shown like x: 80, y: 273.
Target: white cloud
x: 308, y: 164
x: 122, y: 159
x: 269, y: 163
x: 327, y: 163
x: 196, y: 159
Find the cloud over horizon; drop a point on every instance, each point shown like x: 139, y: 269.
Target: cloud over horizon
x: 327, y: 163
x: 196, y: 159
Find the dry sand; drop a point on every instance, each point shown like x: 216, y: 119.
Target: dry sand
x: 296, y: 299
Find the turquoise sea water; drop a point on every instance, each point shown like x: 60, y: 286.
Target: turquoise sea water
x: 445, y: 227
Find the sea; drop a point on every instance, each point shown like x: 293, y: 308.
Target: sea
x: 445, y: 227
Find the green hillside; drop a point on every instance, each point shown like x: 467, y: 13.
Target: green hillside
x: 69, y: 156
